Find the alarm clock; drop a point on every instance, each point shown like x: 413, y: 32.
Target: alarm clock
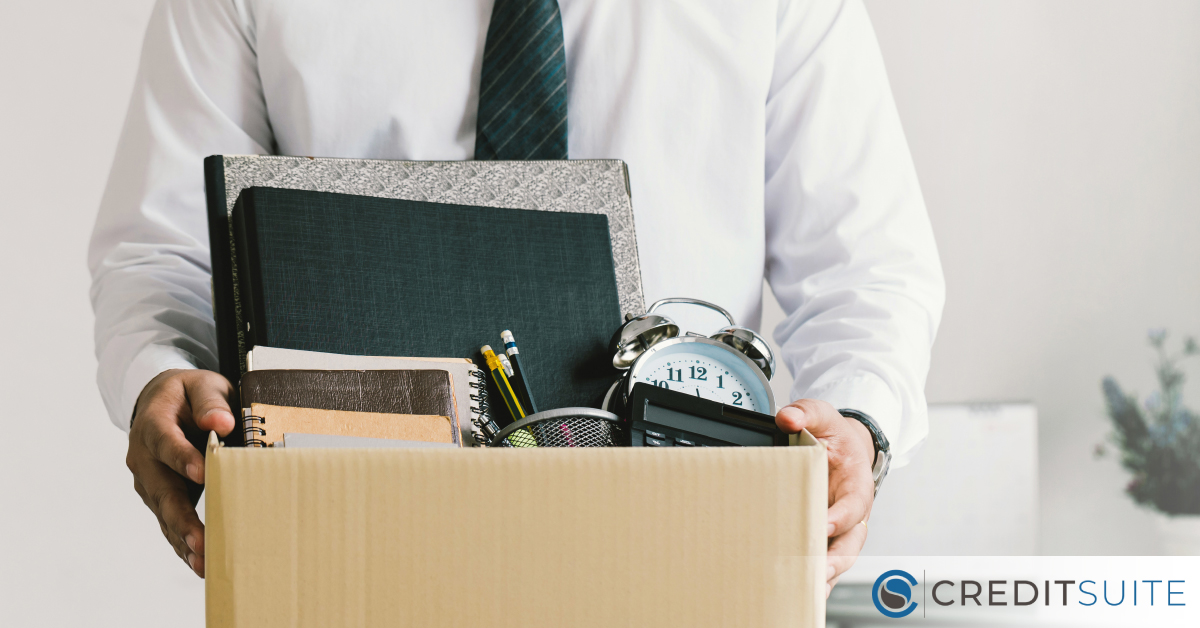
x: 732, y: 366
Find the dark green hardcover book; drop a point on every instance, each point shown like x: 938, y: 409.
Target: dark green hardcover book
x: 360, y: 275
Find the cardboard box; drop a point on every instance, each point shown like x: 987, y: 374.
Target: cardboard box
x: 516, y: 537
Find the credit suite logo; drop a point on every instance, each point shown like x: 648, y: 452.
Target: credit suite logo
x: 893, y: 593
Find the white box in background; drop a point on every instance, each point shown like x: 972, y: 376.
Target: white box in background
x: 971, y: 490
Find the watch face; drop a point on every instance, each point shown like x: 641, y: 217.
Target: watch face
x: 706, y: 369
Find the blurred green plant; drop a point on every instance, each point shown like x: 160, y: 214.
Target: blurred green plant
x: 1159, y: 439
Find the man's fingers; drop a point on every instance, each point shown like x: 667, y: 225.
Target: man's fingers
x: 843, y: 551
x: 208, y: 394
x: 182, y: 520
x: 166, y: 495
x: 829, y: 584
x: 176, y: 543
x: 194, y: 561
x: 853, y: 497
x: 197, y: 564
x: 168, y: 445
x: 818, y: 417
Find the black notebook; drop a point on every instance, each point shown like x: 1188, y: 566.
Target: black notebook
x: 359, y: 275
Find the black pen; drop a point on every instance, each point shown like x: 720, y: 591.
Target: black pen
x: 520, y: 380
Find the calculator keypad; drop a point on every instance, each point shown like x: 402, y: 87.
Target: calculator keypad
x: 660, y: 436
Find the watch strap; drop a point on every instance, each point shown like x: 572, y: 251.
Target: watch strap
x: 883, y: 450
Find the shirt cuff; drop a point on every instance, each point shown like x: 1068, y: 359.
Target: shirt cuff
x: 151, y: 361
x: 865, y: 392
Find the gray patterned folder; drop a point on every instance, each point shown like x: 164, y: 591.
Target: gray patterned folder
x: 576, y: 186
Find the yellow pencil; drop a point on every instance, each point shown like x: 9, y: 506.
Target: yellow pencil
x: 510, y: 397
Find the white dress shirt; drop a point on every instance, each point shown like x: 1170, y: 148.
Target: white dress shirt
x: 761, y: 138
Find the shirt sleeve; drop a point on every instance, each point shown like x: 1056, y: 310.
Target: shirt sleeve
x: 197, y: 93
x: 850, y: 251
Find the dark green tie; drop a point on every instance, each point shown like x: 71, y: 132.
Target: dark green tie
x: 523, y: 85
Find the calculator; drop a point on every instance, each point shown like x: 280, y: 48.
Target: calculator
x: 659, y: 417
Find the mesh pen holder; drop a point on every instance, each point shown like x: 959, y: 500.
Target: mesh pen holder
x: 564, y: 427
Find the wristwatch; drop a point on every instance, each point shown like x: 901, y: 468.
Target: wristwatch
x: 883, y: 450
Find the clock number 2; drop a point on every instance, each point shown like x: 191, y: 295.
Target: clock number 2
x: 737, y: 398
x: 699, y: 373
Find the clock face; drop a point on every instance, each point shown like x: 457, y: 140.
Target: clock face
x: 706, y: 369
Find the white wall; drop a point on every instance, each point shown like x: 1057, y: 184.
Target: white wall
x: 77, y: 547
x: 1057, y: 144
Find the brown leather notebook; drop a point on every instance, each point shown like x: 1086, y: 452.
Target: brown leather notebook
x: 397, y: 392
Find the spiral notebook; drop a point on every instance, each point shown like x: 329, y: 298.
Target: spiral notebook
x: 470, y: 388
x: 400, y: 404
x: 266, y: 425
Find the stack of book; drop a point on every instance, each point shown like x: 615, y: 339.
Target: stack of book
x: 347, y: 259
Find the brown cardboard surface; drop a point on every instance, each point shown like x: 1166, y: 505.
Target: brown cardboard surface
x: 281, y: 419
x: 555, y: 537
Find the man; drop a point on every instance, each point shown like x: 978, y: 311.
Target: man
x: 761, y: 138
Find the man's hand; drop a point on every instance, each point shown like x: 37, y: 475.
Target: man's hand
x: 173, y: 406
x: 851, y: 486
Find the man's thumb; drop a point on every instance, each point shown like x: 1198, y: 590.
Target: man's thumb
x: 208, y: 394
x: 810, y: 414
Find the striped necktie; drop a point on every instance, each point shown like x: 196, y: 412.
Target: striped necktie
x: 523, y: 85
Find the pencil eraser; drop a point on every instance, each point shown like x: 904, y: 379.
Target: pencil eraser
x: 508, y: 369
